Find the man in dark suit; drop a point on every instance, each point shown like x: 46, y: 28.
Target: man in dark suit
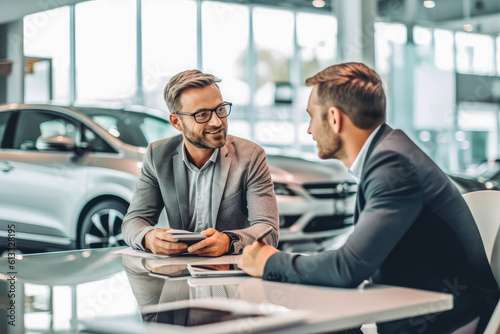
x: 208, y: 181
x: 413, y: 228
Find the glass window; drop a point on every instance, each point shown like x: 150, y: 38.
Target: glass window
x: 225, y: 48
x: 444, y: 50
x: 386, y: 36
x: 498, y: 55
x: 4, y: 117
x: 106, y: 50
x: 131, y: 127
x: 422, y: 36
x: 497, y: 51
x: 46, y: 35
x: 423, y: 46
x: 155, y: 129
x: 168, y: 45
x: 34, y: 124
x: 475, y: 53
x: 95, y: 143
x: 317, y: 40
x: 273, y: 35
x: 275, y: 133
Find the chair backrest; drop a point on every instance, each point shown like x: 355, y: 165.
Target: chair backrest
x: 485, y: 208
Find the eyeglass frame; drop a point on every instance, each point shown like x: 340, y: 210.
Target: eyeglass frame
x: 211, y: 112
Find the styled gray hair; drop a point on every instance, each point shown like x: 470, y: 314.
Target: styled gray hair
x: 182, y: 81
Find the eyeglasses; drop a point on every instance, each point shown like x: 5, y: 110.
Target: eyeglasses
x: 203, y: 116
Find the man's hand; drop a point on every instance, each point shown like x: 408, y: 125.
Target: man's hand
x: 216, y: 244
x: 160, y: 242
x: 254, y: 258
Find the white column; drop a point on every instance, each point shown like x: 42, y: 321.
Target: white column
x: 15, y: 53
x: 356, y: 19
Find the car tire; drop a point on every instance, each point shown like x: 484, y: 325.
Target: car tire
x: 102, y: 225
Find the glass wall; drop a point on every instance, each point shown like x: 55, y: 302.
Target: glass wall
x: 225, y: 36
x: 105, y: 51
x: 475, y: 53
x: 420, y: 77
x: 444, y: 49
x: 274, y: 47
x: 46, y: 46
x: 263, y: 55
x: 317, y: 42
x: 168, y: 45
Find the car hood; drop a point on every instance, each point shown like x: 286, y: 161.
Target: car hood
x: 286, y: 169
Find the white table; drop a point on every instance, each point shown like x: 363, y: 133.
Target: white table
x: 98, y: 277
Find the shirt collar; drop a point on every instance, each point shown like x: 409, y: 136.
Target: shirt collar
x: 357, y: 165
x: 213, y: 158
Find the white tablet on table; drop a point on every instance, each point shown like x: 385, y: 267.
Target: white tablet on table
x: 207, y: 316
x: 228, y: 269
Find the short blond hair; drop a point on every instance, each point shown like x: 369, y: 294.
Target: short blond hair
x: 182, y: 81
x: 354, y: 88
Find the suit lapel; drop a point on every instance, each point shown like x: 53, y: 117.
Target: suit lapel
x: 360, y: 202
x: 219, y: 183
x: 181, y: 187
x: 382, y: 132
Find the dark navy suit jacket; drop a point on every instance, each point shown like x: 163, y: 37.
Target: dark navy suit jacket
x: 413, y: 229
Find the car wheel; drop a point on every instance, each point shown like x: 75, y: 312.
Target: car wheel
x: 102, y: 225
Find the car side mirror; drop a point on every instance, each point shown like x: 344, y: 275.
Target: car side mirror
x: 55, y: 143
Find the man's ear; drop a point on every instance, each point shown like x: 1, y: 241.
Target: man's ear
x: 335, y: 119
x: 176, y: 122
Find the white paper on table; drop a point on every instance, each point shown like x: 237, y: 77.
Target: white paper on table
x: 136, y: 252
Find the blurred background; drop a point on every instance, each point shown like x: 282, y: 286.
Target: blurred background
x: 439, y: 61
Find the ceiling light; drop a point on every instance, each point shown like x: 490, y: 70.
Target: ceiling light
x: 319, y: 3
x: 468, y: 27
x: 429, y: 4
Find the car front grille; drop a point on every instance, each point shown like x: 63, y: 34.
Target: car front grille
x: 326, y: 223
x: 287, y: 221
x: 331, y: 190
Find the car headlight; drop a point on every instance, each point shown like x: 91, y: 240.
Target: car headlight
x: 490, y: 184
x: 282, y: 189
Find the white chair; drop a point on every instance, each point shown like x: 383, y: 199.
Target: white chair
x: 485, y: 208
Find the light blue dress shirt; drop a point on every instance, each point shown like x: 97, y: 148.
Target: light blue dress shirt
x: 200, y: 182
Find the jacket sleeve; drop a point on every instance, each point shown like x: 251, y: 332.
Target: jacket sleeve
x: 394, y: 199
x: 261, y: 204
x: 145, y: 207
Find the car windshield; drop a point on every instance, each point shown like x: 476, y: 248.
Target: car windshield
x: 133, y: 128
x: 489, y: 170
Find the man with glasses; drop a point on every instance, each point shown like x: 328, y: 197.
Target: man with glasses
x: 207, y: 181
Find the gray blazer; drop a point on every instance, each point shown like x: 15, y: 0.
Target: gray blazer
x: 243, y: 200
x: 413, y: 229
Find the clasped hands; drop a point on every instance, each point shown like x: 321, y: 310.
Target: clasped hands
x: 159, y: 241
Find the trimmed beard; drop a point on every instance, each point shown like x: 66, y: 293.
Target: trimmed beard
x: 201, y: 141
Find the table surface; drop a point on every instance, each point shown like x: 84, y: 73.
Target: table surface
x: 84, y: 284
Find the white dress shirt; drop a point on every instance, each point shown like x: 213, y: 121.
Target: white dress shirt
x: 357, y: 166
